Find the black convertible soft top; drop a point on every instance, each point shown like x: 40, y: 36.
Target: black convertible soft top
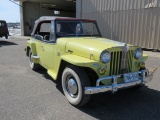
x: 41, y: 19
x: 51, y: 18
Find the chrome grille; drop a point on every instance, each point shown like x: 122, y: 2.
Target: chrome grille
x: 119, y: 65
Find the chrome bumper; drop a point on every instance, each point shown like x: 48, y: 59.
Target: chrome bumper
x: 146, y: 77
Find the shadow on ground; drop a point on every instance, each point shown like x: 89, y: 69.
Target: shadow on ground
x: 153, y: 50
x: 6, y: 43
x: 127, y: 104
x: 143, y: 103
x: 45, y: 75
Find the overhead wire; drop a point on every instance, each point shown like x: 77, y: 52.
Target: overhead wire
x: 15, y: 3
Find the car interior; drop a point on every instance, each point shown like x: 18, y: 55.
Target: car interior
x: 44, y: 30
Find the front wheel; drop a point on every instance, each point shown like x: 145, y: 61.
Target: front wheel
x: 33, y: 65
x: 74, y: 81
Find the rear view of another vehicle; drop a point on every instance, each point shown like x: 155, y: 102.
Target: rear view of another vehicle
x: 3, y: 29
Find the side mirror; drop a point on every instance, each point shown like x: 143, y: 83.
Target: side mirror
x: 39, y: 37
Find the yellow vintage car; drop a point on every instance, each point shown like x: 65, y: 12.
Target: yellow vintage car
x: 73, y: 51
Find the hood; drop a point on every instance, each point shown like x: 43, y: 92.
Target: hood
x: 90, y: 46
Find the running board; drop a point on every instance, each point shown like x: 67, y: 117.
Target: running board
x: 52, y: 74
x: 35, y: 58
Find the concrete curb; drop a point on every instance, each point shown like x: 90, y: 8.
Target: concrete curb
x: 152, y: 54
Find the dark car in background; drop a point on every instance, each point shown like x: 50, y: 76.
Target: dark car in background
x: 3, y: 29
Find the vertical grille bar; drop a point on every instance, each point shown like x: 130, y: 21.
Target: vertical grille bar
x: 132, y: 55
x: 129, y: 61
x: 130, y: 58
x: 115, y: 61
x: 118, y: 58
x: 120, y: 62
x: 111, y: 63
x: 112, y: 67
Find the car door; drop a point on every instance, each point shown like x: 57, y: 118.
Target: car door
x: 49, y: 49
x: 41, y: 41
x: 38, y: 39
x: 49, y: 55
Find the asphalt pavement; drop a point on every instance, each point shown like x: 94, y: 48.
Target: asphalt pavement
x: 30, y: 95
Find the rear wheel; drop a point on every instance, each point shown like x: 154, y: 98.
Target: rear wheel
x: 6, y: 36
x: 33, y: 65
x: 74, y: 81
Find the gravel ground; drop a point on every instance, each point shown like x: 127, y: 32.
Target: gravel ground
x: 29, y: 95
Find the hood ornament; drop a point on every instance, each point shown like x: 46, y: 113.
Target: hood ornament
x: 125, y: 48
x: 124, y: 59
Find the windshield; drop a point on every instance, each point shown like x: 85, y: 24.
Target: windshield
x: 76, y: 28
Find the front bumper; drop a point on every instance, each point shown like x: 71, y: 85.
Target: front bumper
x: 146, y: 77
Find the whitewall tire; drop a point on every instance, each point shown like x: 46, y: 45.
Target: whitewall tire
x: 31, y: 62
x: 74, y: 81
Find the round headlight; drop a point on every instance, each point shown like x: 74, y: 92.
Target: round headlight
x: 138, y: 53
x: 105, y: 56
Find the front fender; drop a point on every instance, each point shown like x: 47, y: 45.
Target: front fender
x: 145, y: 57
x: 74, y: 60
x: 78, y: 60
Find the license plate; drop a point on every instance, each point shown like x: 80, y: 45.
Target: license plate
x: 131, y: 77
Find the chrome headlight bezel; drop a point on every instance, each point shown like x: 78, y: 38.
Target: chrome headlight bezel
x: 105, y: 56
x: 138, y: 53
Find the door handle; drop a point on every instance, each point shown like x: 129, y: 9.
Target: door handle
x: 42, y: 48
x: 70, y: 51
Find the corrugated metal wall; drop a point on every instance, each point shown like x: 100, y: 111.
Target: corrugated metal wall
x: 133, y: 21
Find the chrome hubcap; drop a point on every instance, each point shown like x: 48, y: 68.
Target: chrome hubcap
x: 72, y: 87
x: 31, y: 59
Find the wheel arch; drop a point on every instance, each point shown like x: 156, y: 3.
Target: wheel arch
x: 27, y: 51
x: 31, y: 45
x: 62, y: 66
x: 92, y: 75
x: 74, y: 86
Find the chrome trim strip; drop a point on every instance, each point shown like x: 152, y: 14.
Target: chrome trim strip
x: 114, y: 87
x: 35, y: 56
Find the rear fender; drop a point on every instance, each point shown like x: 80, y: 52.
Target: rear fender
x: 31, y: 45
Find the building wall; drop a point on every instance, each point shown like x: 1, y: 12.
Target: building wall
x: 32, y: 11
x: 133, y: 21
